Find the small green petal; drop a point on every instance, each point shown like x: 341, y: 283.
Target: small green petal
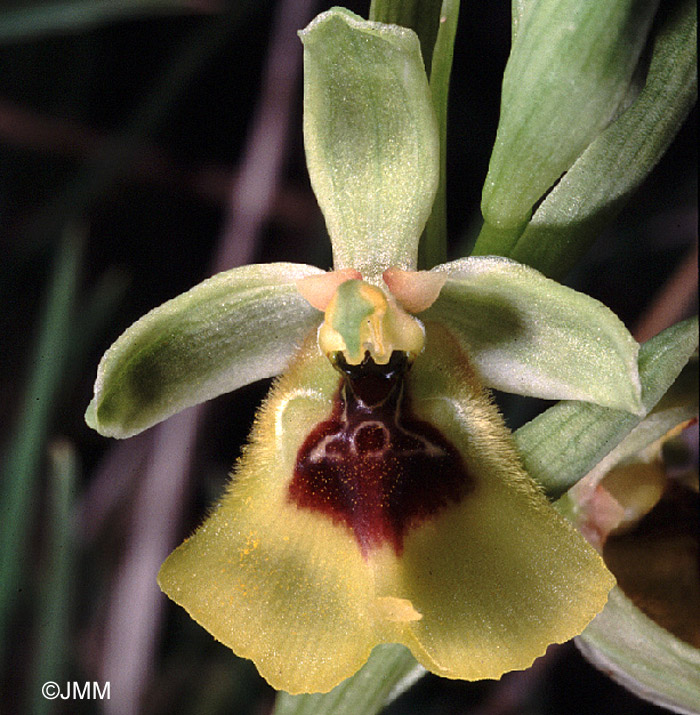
x: 568, y: 71
x: 371, y: 139
x: 234, y: 328
x: 533, y: 336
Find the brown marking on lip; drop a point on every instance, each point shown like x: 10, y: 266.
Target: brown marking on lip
x: 373, y: 465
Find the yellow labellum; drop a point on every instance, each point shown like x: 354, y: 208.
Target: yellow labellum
x: 478, y: 586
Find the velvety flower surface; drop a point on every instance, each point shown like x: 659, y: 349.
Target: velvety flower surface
x: 380, y: 498
x: 464, y: 562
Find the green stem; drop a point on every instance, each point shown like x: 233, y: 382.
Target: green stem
x: 433, y: 246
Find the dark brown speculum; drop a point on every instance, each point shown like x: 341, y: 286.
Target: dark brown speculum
x: 373, y: 465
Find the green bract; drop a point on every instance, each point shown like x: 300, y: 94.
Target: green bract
x: 569, y: 70
x: 669, y: 672
x: 619, y: 158
x: 615, y: 159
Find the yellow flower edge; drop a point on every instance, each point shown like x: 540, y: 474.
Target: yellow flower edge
x: 479, y: 588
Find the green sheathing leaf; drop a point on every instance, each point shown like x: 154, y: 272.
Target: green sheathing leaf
x: 569, y: 68
x: 614, y: 165
x: 643, y: 656
x: 530, y: 335
x: 20, y: 21
x: 563, y: 444
x: 389, y: 671
x: 237, y: 327
x: 371, y: 139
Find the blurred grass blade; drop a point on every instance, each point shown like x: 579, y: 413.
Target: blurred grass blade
x: 603, y: 178
x: 96, y: 309
x: 56, y: 585
x: 563, y: 444
x: 94, y: 179
x: 21, y: 463
x: 390, y: 670
x: 26, y: 20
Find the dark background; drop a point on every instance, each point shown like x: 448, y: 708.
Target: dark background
x: 138, y: 132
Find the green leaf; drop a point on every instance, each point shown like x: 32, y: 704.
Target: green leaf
x: 615, y: 164
x: 568, y: 71
x: 643, y: 656
x: 389, y: 671
x: 563, y: 444
x: 371, y: 139
x: 237, y: 327
x: 24, y: 20
x: 530, y: 335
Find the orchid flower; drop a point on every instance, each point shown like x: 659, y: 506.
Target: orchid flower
x: 380, y: 497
